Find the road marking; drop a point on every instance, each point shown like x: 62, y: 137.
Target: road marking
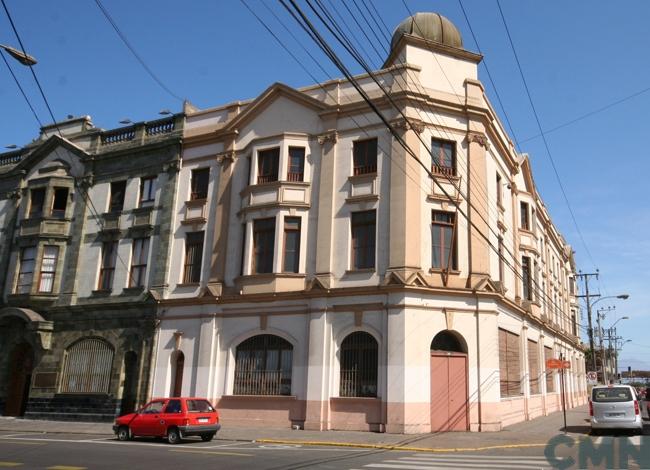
x: 65, y: 467
x: 436, y: 463
x: 10, y: 464
x: 9, y: 441
x: 210, y: 452
x: 478, y: 458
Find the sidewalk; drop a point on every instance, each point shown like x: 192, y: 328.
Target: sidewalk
x: 533, y: 433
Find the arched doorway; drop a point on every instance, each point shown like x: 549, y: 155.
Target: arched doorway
x: 449, y: 395
x: 21, y: 364
x: 178, y: 363
x: 130, y: 382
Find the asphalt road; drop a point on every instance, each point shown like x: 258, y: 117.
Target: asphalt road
x: 77, y: 452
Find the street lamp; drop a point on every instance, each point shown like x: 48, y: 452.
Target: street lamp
x: 617, y: 349
x: 622, y: 318
x: 591, y: 328
x: 20, y: 56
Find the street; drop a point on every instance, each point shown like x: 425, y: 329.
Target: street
x: 61, y: 451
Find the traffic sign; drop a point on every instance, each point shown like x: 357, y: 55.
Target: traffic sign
x: 592, y: 376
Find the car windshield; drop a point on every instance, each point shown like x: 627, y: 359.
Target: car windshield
x: 199, y: 406
x: 155, y: 407
x: 613, y: 394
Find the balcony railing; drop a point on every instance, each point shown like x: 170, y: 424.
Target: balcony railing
x: 295, y: 176
x: 443, y: 170
x: 118, y: 136
x: 354, y: 385
x: 162, y: 126
x: 262, y: 382
x: 10, y: 159
x: 138, y: 131
x: 266, y: 178
x: 363, y: 170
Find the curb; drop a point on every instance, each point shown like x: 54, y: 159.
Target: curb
x: 400, y: 448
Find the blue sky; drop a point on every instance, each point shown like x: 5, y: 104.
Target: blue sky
x: 577, y: 57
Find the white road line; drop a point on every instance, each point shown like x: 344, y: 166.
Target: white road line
x: 481, y: 458
x: 636, y: 440
x: 439, y: 465
x: 22, y: 434
x: 521, y: 459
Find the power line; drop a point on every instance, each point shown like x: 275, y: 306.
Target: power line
x: 312, y: 32
x: 133, y: 51
x: 21, y: 89
x: 539, y: 126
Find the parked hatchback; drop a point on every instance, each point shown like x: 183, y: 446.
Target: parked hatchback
x: 171, y: 418
x: 615, y: 407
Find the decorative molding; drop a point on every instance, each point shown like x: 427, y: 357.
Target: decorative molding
x: 479, y: 138
x: 86, y: 181
x: 172, y: 167
x: 329, y: 136
x: 410, y: 124
x: 227, y: 156
x: 15, y: 194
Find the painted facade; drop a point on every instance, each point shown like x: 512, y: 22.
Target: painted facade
x: 320, y: 277
x: 85, y: 216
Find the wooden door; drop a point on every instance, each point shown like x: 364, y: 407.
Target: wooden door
x: 448, y: 391
x: 20, y: 375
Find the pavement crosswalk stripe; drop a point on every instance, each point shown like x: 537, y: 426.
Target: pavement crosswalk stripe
x: 65, y: 467
x: 493, y: 464
x: 481, y: 458
x: 10, y: 464
x: 437, y: 465
x: 636, y: 440
x: 521, y: 460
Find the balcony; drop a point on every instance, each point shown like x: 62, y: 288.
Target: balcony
x: 45, y: 227
x: 138, y: 133
x: 276, y: 194
x: 142, y: 217
x: 194, y: 212
x: 362, y: 187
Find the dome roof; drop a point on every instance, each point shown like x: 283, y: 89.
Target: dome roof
x: 429, y: 26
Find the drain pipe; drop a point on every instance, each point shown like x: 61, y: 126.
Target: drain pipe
x: 478, y: 364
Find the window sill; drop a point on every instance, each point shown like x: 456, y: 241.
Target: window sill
x: 132, y: 290
x: 194, y: 220
x: 257, y: 397
x: 101, y: 292
x: 452, y: 271
x: 445, y: 177
x: 196, y: 202
x: 527, y: 231
x: 362, y: 177
x: 188, y: 284
x: 142, y: 209
x: 353, y: 399
x: 352, y: 272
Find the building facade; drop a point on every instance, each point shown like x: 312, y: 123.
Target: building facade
x: 330, y: 273
x: 86, y: 218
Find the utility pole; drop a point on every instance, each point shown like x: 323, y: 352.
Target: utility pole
x: 603, y: 366
x: 588, y: 297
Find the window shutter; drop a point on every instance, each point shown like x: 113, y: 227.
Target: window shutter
x: 533, y: 367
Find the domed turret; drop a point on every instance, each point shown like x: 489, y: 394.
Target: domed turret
x: 429, y: 26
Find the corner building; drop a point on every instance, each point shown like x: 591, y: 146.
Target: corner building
x: 320, y: 277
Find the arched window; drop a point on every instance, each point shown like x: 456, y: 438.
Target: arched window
x: 87, y: 367
x: 447, y: 341
x: 359, y: 352
x: 263, y: 366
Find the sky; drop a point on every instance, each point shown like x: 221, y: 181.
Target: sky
x: 577, y: 57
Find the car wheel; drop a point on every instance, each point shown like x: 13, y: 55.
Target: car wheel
x: 123, y: 433
x: 207, y: 437
x: 173, y: 436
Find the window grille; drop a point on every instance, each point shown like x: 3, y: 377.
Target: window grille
x: 550, y: 377
x: 267, y: 165
x: 296, y: 170
x: 193, y: 257
x: 87, y: 367
x: 533, y: 367
x: 263, y: 366
x: 509, y: 369
x: 359, y: 352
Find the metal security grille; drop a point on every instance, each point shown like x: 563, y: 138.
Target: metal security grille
x: 87, y: 367
x: 359, y: 365
x: 263, y: 366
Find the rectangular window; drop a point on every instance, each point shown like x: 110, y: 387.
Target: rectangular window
x: 533, y: 367
x: 550, y: 377
x: 526, y: 278
x: 443, y: 157
x: 36, y: 200
x: 193, y: 257
x: 147, y: 191
x: 243, y: 249
x: 296, y: 171
x: 116, y: 202
x: 139, y: 262
x: 525, y: 217
x: 364, y: 155
x: 509, y: 368
x: 291, y: 244
x: 443, y: 249
x: 60, y: 202
x: 107, y: 268
x: 499, y: 191
x: 263, y: 243
x: 363, y: 239
x: 501, y: 263
x: 48, y: 268
x: 267, y: 165
x: 574, y: 326
x: 26, y: 271
x: 200, y: 180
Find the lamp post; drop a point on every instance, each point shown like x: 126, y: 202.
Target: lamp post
x: 590, y: 305
x: 617, y: 350
x: 600, y: 315
x: 20, y: 56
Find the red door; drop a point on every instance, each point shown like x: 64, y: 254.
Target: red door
x: 448, y: 391
x: 148, y: 420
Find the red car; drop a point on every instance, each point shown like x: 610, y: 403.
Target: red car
x: 172, y: 418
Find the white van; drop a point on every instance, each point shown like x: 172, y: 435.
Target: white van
x: 615, y: 407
